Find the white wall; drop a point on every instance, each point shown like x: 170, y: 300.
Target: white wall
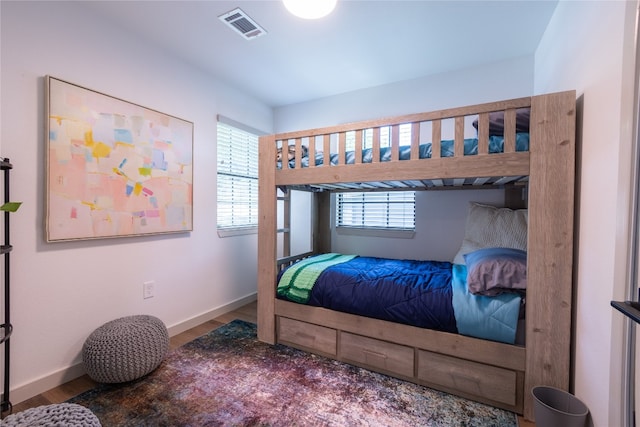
x: 62, y: 291
x: 484, y: 83
x: 588, y: 46
x: 447, y: 209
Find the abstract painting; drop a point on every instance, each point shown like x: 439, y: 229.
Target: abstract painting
x: 114, y: 168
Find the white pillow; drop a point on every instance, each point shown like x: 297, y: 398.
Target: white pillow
x: 491, y: 227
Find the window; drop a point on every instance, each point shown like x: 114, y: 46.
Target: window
x: 393, y: 210
x: 237, y: 177
x: 385, y: 137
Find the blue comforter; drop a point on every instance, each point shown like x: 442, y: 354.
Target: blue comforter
x: 427, y: 294
x: 496, y: 145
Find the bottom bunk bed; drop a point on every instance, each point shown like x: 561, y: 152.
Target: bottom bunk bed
x: 458, y: 327
x: 446, y: 355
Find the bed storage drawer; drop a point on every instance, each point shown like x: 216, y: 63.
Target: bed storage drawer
x: 307, y: 335
x: 381, y: 355
x: 486, y: 381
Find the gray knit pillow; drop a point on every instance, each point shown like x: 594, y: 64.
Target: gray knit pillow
x: 125, y: 349
x: 56, y: 415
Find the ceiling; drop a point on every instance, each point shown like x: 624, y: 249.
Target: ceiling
x: 361, y: 44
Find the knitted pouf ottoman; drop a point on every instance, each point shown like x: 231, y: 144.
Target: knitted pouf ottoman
x: 125, y: 349
x: 56, y: 415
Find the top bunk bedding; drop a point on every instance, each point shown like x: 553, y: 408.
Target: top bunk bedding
x: 436, y: 149
x: 496, y: 145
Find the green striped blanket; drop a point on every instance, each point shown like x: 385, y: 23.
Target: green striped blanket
x: 298, y: 280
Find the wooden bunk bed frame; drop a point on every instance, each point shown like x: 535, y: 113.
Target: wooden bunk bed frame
x: 498, y: 374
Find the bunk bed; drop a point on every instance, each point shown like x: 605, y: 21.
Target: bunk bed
x: 496, y: 373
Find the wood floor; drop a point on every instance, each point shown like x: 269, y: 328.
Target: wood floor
x: 84, y: 383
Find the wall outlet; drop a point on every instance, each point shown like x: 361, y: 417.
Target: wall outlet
x: 148, y: 289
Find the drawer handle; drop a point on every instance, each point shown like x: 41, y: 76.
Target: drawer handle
x: 374, y: 353
x: 306, y: 336
x: 460, y: 380
x: 466, y: 377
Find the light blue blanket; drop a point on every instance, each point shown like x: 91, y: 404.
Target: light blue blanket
x: 494, y: 318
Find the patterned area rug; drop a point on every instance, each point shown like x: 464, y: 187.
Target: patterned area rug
x: 228, y: 378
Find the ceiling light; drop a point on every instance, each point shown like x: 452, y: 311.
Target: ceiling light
x: 310, y: 9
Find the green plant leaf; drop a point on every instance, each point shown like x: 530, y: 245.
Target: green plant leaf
x: 10, y: 206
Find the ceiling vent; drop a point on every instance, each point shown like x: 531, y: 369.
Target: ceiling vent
x: 242, y: 23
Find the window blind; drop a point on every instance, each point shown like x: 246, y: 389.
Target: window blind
x: 389, y: 210
x: 237, y: 175
x: 385, y: 137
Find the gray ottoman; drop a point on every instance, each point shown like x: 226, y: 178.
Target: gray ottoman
x: 125, y: 349
x: 56, y: 415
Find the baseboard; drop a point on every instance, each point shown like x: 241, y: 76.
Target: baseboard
x: 210, y: 315
x: 56, y: 379
x: 34, y: 388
